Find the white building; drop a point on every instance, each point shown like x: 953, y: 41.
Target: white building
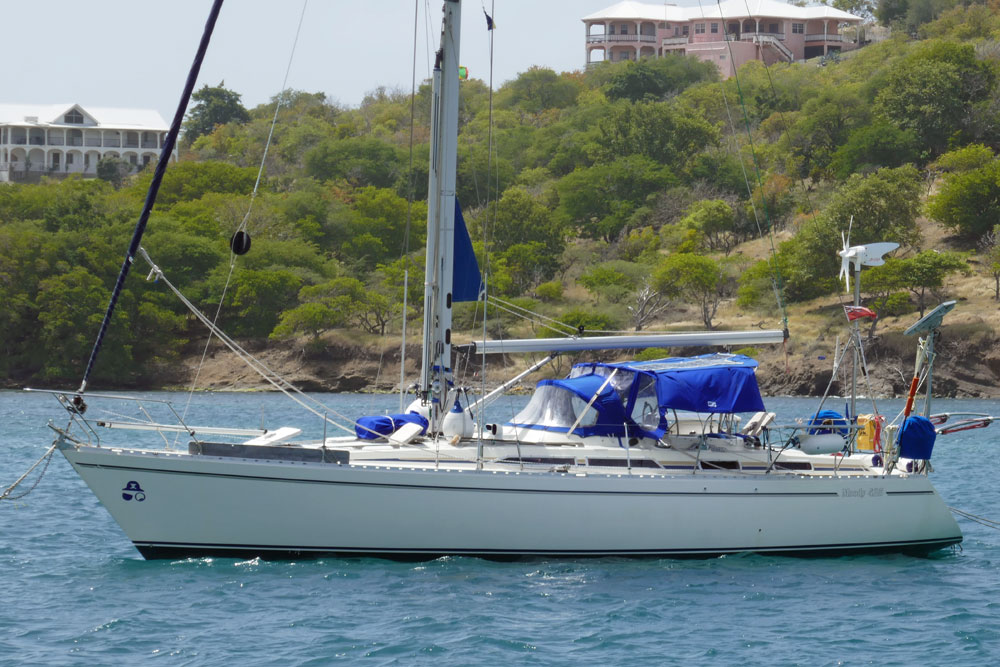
x: 61, y: 139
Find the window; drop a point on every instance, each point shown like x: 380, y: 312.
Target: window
x: 74, y: 117
x: 665, y: 26
x: 624, y: 29
x: 686, y: 30
x: 798, y: 28
x: 699, y: 28
x: 611, y: 29
x: 715, y: 28
x: 69, y: 159
x: 772, y: 28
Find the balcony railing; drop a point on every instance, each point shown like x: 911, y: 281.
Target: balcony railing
x: 131, y: 143
x: 56, y: 141
x: 36, y: 141
x: 591, y: 39
x: 93, y: 141
x: 670, y: 41
x: 112, y: 143
x: 749, y: 36
x: 149, y: 144
x: 74, y: 141
x: 825, y: 38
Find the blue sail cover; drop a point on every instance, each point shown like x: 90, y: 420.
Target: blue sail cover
x: 467, y: 282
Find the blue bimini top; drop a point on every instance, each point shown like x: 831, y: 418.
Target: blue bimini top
x: 712, y: 383
x: 707, y: 383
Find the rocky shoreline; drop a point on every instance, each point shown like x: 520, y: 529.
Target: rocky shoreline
x: 963, y: 370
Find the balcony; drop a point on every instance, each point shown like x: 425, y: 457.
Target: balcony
x: 751, y: 36
x: 149, y: 144
x: 131, y: 143
x: 826, y: 38
x: 93, y: 141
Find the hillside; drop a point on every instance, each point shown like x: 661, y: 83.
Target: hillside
x: 968, y: 364
x: 640, y: 195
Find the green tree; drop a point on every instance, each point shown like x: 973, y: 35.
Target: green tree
x: 361, y: 161
x: 966, y: 158
x: 188, y: 181
x: 213, y: 106
x: 969, y: 202
x: 537, y: 89
x: 517, y: 218
x: 608, y: 281
x: 584, y: 321
x: 713, y: 220
x: 932, y: 92
x: 528, y: 264
x: 256, y: 298
x: 600, y: 200
x: 927, y: 271
x: 880, y: 144
x: 113, y: 170
x: 655, y: 78
x: 662, y: 132
x: 70, y: 309
x: 884, y: 206
x: 695, y: 279
x: 989, y: 249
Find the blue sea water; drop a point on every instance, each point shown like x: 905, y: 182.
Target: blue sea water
x: 73, y: 591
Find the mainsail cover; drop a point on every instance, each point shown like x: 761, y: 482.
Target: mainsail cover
x: 467, y: 282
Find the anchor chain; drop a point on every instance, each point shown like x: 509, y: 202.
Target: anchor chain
x: 47, y: 458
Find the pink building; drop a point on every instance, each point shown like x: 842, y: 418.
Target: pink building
x: 727, y: 35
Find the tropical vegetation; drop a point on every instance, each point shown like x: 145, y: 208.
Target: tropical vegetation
x: 613, y: 198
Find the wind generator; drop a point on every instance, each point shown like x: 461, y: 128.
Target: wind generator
x: 871, y: 254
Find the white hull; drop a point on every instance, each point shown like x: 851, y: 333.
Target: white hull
x: 203, y: 505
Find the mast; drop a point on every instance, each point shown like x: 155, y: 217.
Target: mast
x: 435, y: 374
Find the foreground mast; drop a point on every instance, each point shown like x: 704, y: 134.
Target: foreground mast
x: 435, y: 374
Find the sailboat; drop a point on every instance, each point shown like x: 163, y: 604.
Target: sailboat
x: 618, y: 459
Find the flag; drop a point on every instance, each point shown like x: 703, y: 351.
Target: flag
x: 855, y: 312
x: 489, y: 21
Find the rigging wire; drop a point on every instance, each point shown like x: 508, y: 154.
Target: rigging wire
x: 411, y: 194
x: 776, y: 282
x: 271, y: 377
x: 253, y: 196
